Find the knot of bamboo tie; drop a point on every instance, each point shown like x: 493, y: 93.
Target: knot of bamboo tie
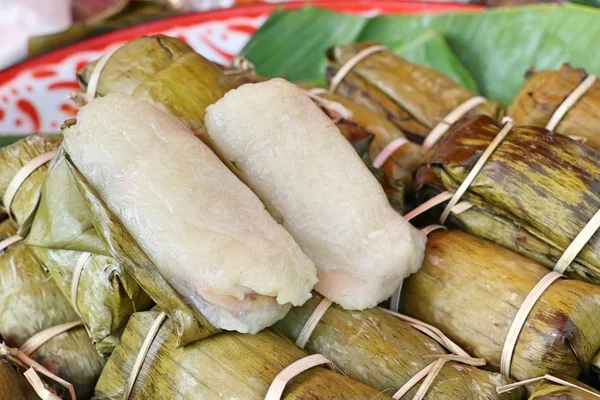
x: 240, y: 65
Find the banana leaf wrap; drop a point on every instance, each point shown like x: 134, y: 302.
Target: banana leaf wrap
x: 545, y: 91
x: 107, y: 296
x: 534, y: 195
x: 402, y: 164
x: 30, y: 302
x: 191, y: 324
x: 384, y: 352
x: 560, y: 335
x: 13, y: 386
x: 228, y: 366
x: 548, y: 390
x: 167, y: 73
x: 413, y: 97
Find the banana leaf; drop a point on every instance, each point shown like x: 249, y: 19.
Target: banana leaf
x: 13, y: 386
x: 545, y: 91
x: 413, y: 97
x: 431, y: 50
x: 363, y: 123
x: 547, y: 390
x: 228, y: 366
x: 499, y: 45
x: 384, y: 352
x: 532, y: 167
x: 30, y: 302
x: 300, y: 54
x: 106, y: 294
x: 300, y: 51
x: 471, y: 289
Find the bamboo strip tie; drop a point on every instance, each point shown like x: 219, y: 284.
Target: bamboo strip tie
x: 570, y: 101
x: 92, y: 86
x: 312, y: 321
x: 20, y: 177
x: 548, y: 377
x: 442, y: 127
x: 517, y: 325
x: 40, y: 338
x: 351, y: 63
x: 331, y: 105
x: 291, y: 371
x: 437, y: 200
x: 241, y: 65
x: 6, y: 243
x: 139, y: 361
x: 81, y: 262
x: 508, y: 124
x: 22, y: 357
x: 38, y: 385
x: 431, y: 372
x: 578, y: 244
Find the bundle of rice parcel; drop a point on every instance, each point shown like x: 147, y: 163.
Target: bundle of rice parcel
x: 293, y: 156
x: 37, y: 323
x: 525, y: 321
x: 391, y: 352
x: 100, y: 291
x: 228, y: 365
x: 198, y: 241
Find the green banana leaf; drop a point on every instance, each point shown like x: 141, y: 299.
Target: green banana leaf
x: 431, y: 50
x: 30, y: 302
x: 301, y: 51
x: 301, y: 38
x: 498, y: 46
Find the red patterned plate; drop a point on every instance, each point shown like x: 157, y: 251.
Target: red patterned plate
x: 34, y: 93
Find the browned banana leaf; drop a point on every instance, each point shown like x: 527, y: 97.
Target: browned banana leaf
x: 402, y: 163
x: 548, y: 390
x: 30, y: 302
x: 107, y: 296
x: 13, y: 386
x: 413, y: 97
x: 384, y: 352
x: 545, y: 91
x: 225, y: 366
x: 534, y: 195
x: 471, y: 289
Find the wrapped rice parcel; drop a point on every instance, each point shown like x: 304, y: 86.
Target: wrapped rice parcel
x: 385, y: 352
x: 155, y: 65
x: 101, y: 292
x: 548, y: 389
x: 534, y: 194
x: 224, y: 366
x: 474, y: 291
x: 31, y: 306
x: 566, y: 101
x: 415, y: 98
x: 198, y: 241
x: 296, y: 160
